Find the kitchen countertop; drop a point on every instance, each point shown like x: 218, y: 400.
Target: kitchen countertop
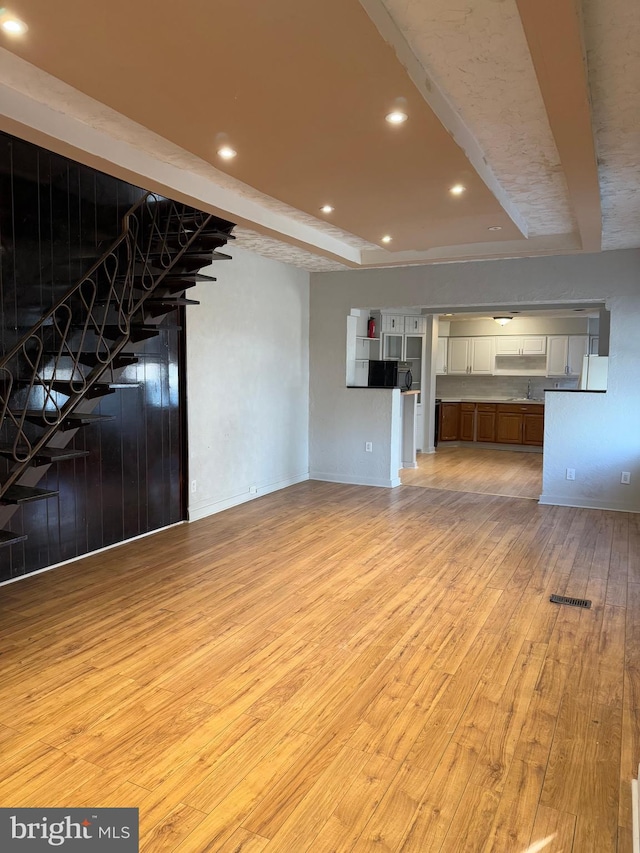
x: 490, y: 400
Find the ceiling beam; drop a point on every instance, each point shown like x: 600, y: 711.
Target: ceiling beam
x: 436, y: 98
x: 47, y: 112
x: 554, y: 35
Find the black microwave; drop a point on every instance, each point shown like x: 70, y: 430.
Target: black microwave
x: 383, y: 374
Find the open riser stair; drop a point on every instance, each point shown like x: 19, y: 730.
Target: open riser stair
x: 52, y: 379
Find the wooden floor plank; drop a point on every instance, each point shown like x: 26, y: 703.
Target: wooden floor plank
x: 339, y: 668
x: 556, y: 827
x: 469, y: 469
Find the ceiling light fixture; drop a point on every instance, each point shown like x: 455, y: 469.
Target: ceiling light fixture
x: 494, y: 228
x: 226, y: 152
x: 326, y: 208
x: 386, y: 239
x: 14, y: 26
x: 502, y: 321
x: 396, y: 117
x: 457, y: 189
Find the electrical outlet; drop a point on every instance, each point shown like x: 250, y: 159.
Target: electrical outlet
x: 194, y: 486
x: 571, y: 473
x: 253, y: 490
x: 368, y: 446
x: 625, y: 477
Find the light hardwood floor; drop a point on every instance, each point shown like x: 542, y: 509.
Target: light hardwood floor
x: 337, y: 668
x: 468, y: 469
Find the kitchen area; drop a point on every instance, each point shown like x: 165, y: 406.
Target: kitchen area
x: 481, y: 378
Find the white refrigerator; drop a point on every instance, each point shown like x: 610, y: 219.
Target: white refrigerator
x: 594, y: 373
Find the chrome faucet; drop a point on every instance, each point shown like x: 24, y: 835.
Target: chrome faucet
x: 529, y: 390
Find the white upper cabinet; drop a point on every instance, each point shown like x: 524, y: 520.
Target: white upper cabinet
x: 521, y: 345
x: 459, y: 355
x: 415, y: 325
x: 393, y: 323
x: 578, y: 348
x: 508, y: 345
x: 482, y: 355
x: 471, y: 355
x: 557, y: 355
x: 565, y: 354
x: 534, y: 345
x: 441, y: 357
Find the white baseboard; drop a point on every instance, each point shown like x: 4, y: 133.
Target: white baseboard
x: 196, y: 513
x: 356, y: 481
x: 585, y: 503
x: 91, y: 553
x: 491, y: 445
x: 635, y: 814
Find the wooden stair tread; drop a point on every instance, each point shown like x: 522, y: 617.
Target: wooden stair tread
x: 68, y: 421
x: 45, y: 455
x: 190, y: 277
x: 7, y: 537
x: 136, y: 333
x: 25, y: 494
x: 210, y: 230
x: 170, y: 300
x: 92, y: 390
x: 90, y: 359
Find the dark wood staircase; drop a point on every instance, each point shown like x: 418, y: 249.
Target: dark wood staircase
x: 53, y: 378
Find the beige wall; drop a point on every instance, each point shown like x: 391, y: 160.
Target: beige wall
x: 520, y: 326
x: 247, y: 381
x: 594, y: 433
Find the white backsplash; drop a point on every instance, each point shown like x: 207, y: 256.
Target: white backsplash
x: 499, y: 386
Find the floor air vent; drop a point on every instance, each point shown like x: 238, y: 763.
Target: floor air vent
x: 574, y: 602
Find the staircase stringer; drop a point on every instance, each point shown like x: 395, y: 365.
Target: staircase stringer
x: 145, y: 269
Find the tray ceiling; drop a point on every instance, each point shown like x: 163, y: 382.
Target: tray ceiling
x: 529, y: 104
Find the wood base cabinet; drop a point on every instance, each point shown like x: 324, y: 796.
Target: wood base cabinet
x: 467, y: 421
x: 508, y: 427
x: 533, y: 429
x: 486, y: 422
x: 449, y: 421
x: 519, y: 424
x: 498, y: 423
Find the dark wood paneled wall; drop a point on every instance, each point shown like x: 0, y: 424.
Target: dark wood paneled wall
x: 56, y: 218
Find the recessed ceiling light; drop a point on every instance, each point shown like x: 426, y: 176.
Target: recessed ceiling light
x: 457, y: 189
x: 448, y: 315
x: 386, y: 239
x: 396, y: 117
x: 326, y: 208
x: 226, y: 152
x: 494, y: 228
x: 14, y: 26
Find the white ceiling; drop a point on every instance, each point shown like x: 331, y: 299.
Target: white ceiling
x: 472, y: 63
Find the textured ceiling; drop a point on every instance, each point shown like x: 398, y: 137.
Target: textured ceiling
x: 477, y: 53
x: 483, y: 68
x: 612, y: 38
